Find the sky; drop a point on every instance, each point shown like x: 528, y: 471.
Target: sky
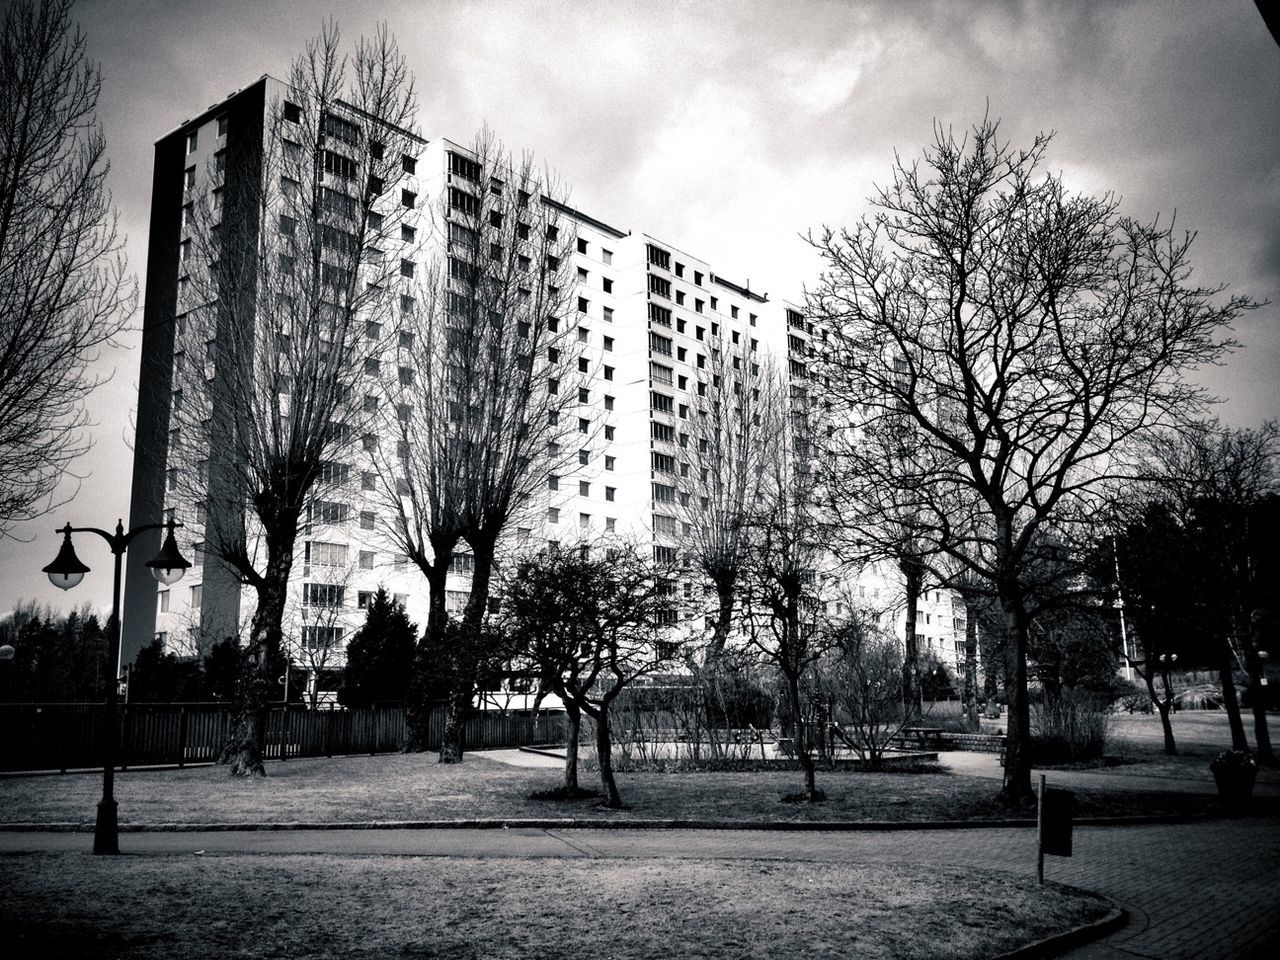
x: 729, y: 130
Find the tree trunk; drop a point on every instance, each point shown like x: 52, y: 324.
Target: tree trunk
x: 246, y: 748
x: 725, y: 592
x: 1254, y: 667
x: 1017, y: 757
x: 604, y: 755
x: 992, y: 643
x: 912, y: 699
x: 971, y: 666
x: 574, y: 716
x: 455, y: 716
x: 1231, y: 703
x: 1162, y: 708
x: 419, y: 705
x: 803, y: 753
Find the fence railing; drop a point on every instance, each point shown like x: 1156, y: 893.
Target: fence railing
x: 64, y: 736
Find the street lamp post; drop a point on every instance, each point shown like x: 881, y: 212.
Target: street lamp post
x: 65, y: 572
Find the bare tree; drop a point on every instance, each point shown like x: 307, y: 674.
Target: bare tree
x: 862, y: 673
x: 732, y: 430
x: 784, y: 576
x: 497, y: 394
x: 288, y: 296
x: 64, y: 291
x: 589, y: 618
x: 1214, y: 495
x: 1030, y: 337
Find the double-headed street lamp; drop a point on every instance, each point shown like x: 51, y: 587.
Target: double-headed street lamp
x: 65, y: 572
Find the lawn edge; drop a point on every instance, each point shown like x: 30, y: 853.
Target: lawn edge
x: 571, y: 823
x: 1058, y: 943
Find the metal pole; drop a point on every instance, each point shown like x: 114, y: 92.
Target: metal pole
x: 1040, y: 832
x: 106, y: 835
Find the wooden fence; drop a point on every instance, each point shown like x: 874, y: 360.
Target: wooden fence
x: 64, y: 736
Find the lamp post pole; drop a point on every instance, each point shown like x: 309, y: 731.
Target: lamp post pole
x: 65, y: 572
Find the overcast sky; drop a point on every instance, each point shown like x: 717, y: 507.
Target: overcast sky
x: 729, y: 129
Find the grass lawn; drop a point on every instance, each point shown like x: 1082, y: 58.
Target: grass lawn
x: 179, y: 908
x: 416, y: 787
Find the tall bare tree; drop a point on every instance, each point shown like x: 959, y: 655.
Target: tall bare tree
x: 733, y: 429
x: 784, y: 577
x: 293, y: 266
x: 1029, y: 336
x: 64, y: 289
x: 499, y: 391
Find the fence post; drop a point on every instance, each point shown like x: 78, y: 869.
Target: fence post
x: 182, y: 737
x: 284, y: 733
x: 123, y: 719
x: 328, y: 734
x: 373, y: 740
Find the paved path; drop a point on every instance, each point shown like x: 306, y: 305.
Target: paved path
x: 1203, y: 890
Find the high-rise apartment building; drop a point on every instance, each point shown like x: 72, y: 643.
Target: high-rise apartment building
x: 656, y: 328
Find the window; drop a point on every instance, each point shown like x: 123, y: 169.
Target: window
x: 164, y: 601
x: 608, y: 433
x: 370, y: 442
x: 584, y: 395
x: 408, y: 164
x: 662, y: 431
x: 342, y: 167
x: 197, y: 595
x: 609, y: 523
x: 583, y: 334
x: 659, y: 257
x: 372, y: 366
x: 608, y: 401
x: 189, y: 178
x: 659, y: 285
x: 406, y: 376
x: 583, y: 304
x: 553, y: 514
x: 661, y: 373
x: 663, y: 462
x: 322, y: 594
x: 607, y: 284
x: 608, y: 344
x: 584, y: 488
x: 582, y: 275
x: 660, y: 402
x: 407, y: 233
x: 679, y: 269
x: 584, y: 521
x: 607, y: 314
x: 664, y: 493
x: 325, y: 511
x: 583, y: 424
x: 609, y: 462
x: 292, y: 112
x: 584, y: 457
x: 606, y: 255
x: 193, y: 139
x: 406, y: 268
x: 368, y: 481
x: 659, y: 315
x: 697, y: 278
x: 408, y: 199
x: 464, y: 167
x: 659, y: 344
x: 364, y: 598
x: 367, y: 519
x: 582, y: 245
x: 553, y: 482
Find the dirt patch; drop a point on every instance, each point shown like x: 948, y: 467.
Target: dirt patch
x: 183, y: 908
